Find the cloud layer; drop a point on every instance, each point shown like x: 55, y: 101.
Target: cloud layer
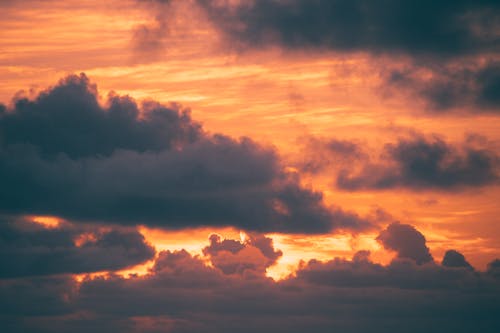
x: 455, y: 43
x: 446, y: 28
x: 227, y: 289
x: 63, y: 154
x: 182, y: 294
x: 28, y: 249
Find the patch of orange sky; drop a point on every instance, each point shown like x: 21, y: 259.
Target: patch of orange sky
x: 46, y: 221
x: 274, y: 96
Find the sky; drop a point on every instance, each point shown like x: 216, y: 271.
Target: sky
x: 249, y: 165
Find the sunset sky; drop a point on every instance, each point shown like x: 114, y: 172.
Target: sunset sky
x: 250, y: 166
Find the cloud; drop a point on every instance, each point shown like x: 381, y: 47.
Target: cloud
x: 321, y: 154
x: 182, y: 294
x: 427, y: 33
x: 407, y: 241
x: 36, y: 296
x: 63, y: 154
x: 68, y: 119
x: 401, y: 273
x: 28, y: 249
x: 149, y: 39
x: 446, y: 88
x: 421, y: 163
x: 252, y: 256
x: 454, y: 258
x: 494, y: 268
x: 444, y: 28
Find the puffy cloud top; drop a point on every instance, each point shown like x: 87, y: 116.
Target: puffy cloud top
x: 454, y: 258
x: 407, y: 241
x: 68, y: 119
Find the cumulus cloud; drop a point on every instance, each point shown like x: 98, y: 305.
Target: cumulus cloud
x: 28, y: 249
x: 253, y: 256
x: 64, y: 154
x: 68, y: 120
x: 407, y: 241
x: 454, y: 258
x: 402, y: 273
x: 182, y: 294
x: 420, y: 163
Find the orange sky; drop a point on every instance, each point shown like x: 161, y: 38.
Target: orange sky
x: 277, y: 97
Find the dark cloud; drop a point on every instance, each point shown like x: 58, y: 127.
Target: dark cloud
x: 400, y: 273
x: 420, y: 163
x: 68, y: 120
x: 444, y: 28
x: 28, y: 249
x: 427, y: 32
x: 454, y: 258
x: 488, y: 80
x: 37, y: 296
x: 253, y: 256
x: 407, y: 241
x: 63, y: 154
x: 217, y: 182
x: 494, y: 268
x: 182, y: 294
x: 448, y: 88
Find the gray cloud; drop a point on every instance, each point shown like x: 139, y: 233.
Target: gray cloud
x: 427, y: 32
x: 68, y: 120
x: 182, y: 294
x: 470, y: 88
x: 407, y: 241
x: 28, y: 249
x: 494, y: 268
x: 64, y: 154
x: 421, y: 163
x: 36, y: 296
x: 444, y: 28
x: 454, y: 258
